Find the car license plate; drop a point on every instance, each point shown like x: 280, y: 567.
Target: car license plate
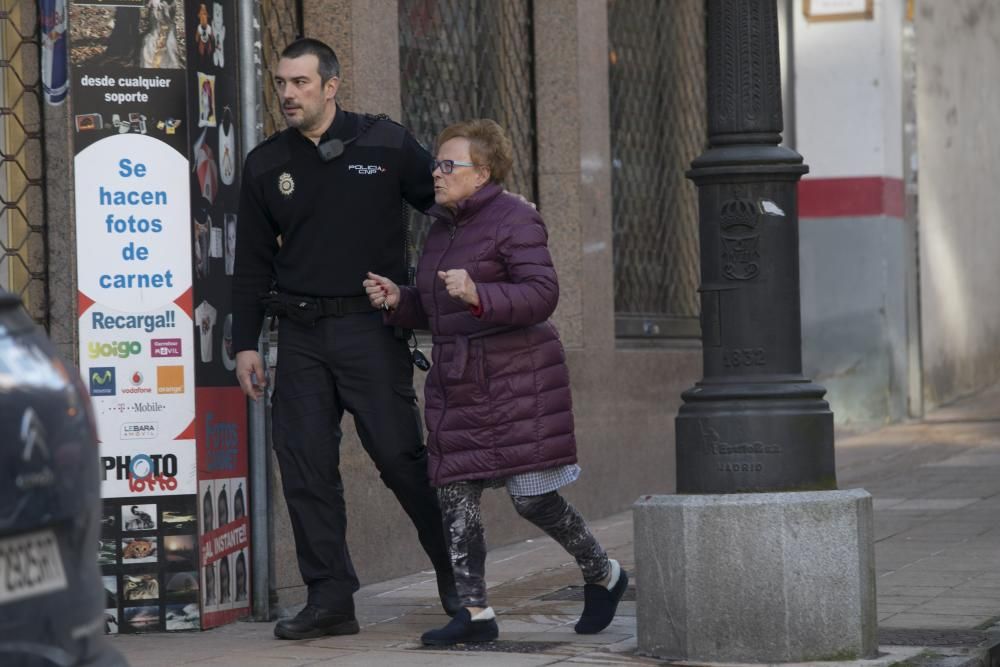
x: 30, y: 565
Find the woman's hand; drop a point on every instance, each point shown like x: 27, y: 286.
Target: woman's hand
x: 460, y: 286
x: 382, y: 292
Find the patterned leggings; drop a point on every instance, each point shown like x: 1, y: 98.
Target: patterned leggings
x: 463, y: 524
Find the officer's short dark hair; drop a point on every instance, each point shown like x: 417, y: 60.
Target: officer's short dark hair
x: 329, y: 66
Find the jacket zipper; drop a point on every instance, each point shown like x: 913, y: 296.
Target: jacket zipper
x: 452, y: 229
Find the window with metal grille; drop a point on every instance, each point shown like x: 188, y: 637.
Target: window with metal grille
x: 463, y: 59
x: 280, y: 25
x: 658, y: 125
x: 23, y: 265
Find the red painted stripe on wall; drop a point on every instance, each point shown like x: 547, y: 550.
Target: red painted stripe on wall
x: 850, y: 197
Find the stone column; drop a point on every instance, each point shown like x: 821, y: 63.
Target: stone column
x: 574, y: 157
x: 365, y: 35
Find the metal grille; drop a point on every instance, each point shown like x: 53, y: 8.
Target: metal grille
x: 281, y: 23
x: 23, y: 265
x: 464, y: 59
x: 658, y: 125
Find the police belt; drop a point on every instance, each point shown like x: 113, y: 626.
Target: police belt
x: 308, y: 309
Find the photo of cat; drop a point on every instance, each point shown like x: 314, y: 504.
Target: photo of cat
x: 138, y: 550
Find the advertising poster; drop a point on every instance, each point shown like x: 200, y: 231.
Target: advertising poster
x: 156, y: 125
x: 224, y: 540
x: 221, y: 433
x: 128, y: 84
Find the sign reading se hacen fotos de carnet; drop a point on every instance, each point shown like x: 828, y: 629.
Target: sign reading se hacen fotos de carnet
x: 134, y: 279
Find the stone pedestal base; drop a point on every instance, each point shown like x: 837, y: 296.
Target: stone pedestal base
x: 768, y: 577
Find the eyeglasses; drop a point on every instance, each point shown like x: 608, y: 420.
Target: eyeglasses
x: 448, y: 166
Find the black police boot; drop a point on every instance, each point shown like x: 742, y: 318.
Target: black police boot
x: 448, y: 593
x: 462, y: 630
x: 315, y: 621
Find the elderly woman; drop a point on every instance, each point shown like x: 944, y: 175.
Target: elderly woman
x: 498, y: 397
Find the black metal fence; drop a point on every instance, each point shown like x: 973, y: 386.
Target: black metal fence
x: 463, y: 59
x: 23, y: 232
x: 657, y: 108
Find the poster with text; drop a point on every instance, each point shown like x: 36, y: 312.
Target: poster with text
x: 135, y: 303
x: 223, y: 505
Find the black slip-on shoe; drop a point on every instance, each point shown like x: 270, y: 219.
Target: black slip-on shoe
x: 600, y: 605
x: 462, y: 630
x: 314, y: 622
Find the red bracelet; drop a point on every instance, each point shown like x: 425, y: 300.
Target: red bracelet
x: 476, y: 310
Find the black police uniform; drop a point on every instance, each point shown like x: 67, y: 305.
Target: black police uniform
x: 336, y: 221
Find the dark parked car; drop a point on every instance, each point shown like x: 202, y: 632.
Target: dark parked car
x: 51, y: 594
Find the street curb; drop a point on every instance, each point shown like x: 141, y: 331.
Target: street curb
x: 987, y: 655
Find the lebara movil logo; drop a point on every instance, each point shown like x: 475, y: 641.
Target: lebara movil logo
x: 139, y: 430
x: 102, y: 381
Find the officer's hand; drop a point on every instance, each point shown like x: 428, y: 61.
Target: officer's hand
x: 250, y: 373
x: 382, y: 292
x: 460, y: 286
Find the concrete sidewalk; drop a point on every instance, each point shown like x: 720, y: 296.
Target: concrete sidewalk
x: 937, y: 517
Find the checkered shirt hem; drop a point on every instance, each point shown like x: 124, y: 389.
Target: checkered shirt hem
x: 539, y: 482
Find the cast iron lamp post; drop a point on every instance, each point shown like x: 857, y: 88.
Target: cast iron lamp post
x: 753, y: 423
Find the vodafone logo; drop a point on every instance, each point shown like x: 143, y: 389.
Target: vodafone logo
x: 136, y: 381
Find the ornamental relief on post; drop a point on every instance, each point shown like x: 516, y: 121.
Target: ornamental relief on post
x: 740, y: 239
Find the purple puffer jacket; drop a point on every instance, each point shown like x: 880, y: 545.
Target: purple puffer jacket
x: 498, y: 397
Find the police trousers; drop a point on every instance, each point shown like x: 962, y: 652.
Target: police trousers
x: 353, y: 363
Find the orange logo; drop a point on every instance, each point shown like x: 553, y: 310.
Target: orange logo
x: 169, y: 379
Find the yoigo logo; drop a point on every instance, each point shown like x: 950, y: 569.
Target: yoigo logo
x: 121, y: 349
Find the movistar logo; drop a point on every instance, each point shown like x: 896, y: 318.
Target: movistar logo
x: 102, y: 381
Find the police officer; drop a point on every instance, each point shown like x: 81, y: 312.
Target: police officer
x: 321, y: 205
